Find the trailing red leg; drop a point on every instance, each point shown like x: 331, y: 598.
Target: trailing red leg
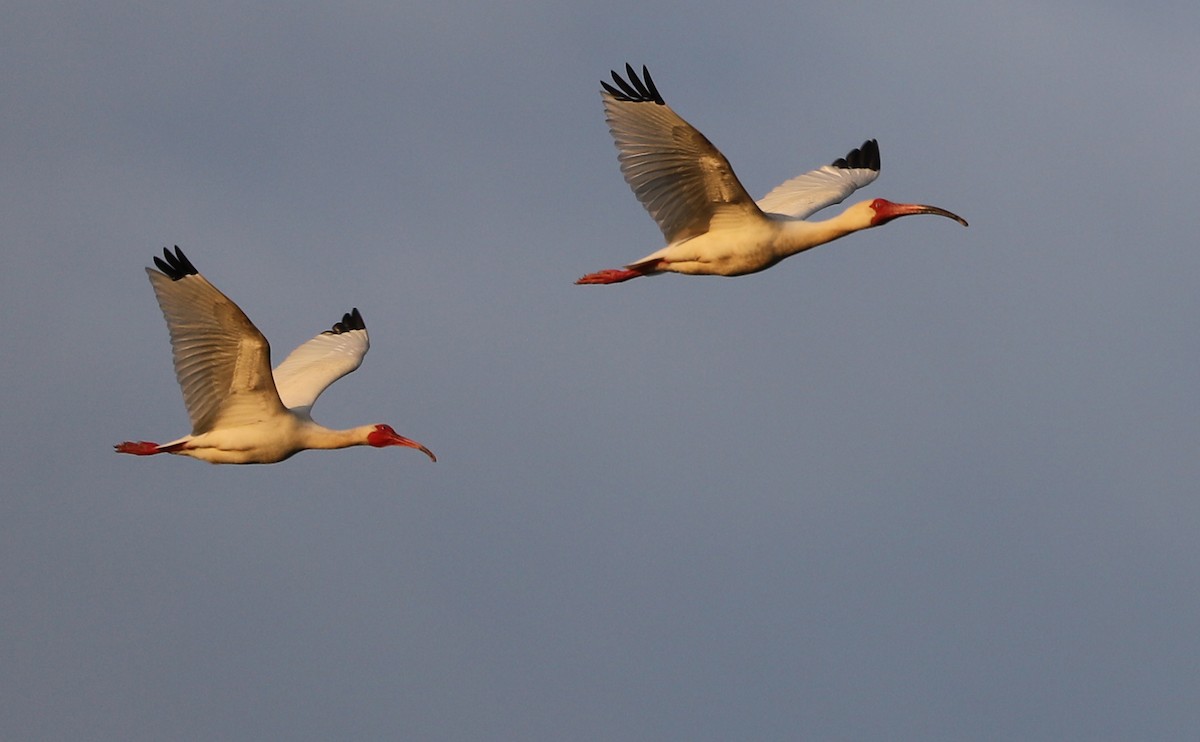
x: 138, y: 448
x: 614, y: 275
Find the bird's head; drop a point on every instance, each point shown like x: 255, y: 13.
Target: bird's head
x: 382, y: 436
x: 881, y: 211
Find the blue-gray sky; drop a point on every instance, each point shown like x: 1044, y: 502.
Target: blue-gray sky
x: 926, y: 482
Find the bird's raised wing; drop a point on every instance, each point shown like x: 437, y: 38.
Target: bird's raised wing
x: 222, y: 361
x: 807, y: 194
x: 677, y: 174
x: 311, y: 368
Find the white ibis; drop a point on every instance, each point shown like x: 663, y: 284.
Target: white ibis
x: 711, y: 224
x: 242, y: 412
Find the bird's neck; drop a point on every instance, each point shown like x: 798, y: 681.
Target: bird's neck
x: 318, y: 436
x: 796, y: 235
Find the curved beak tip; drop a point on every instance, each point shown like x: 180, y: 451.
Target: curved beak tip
x: 410, y: 443
x: 887, y: 211
x: 413, y: 444
x: 937, y: 210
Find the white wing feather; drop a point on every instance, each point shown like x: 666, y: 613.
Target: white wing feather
x: 677, y: 174
x: 311, y: 368
x: 222, y: 361
x: 807, y: 194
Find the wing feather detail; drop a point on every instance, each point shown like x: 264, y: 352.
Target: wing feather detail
x: 681, y: 179
x: 806, y: 194
x: 222, y: 361
x: 313, y: 366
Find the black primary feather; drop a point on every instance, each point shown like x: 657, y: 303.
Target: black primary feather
x: 352, y: 320
x: 175, y: 266
x: 634, y: 91
x: 866, y: 156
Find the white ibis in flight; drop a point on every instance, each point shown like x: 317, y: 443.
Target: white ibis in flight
x: 711, y: 224
x: 243, y: 412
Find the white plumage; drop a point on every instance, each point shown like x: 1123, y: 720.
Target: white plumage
x: 241, y: 411
x: 711, y: 224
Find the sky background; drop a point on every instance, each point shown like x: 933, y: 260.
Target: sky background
x: 924, y: 483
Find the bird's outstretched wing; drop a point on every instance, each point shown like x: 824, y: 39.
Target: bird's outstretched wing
x: 311, y: 368
x: 677, y: 174
x: 807, y: 194
x: 222, y: 361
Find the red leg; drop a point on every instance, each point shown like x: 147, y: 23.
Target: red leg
x: 613, y: 275
x: 138, y: 448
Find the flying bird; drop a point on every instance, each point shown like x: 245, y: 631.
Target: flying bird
x: 242, y: 412
x: 711, y: 225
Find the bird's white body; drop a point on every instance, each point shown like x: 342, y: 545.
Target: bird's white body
x: 711, y: 225
x: 266, y: 441
x: 242, y: 412
x: 738, y: 246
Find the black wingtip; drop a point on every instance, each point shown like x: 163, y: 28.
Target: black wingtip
x: 866, y: 156
x: 351, y: 320
x: 175, y: 266
x: 636, y: 90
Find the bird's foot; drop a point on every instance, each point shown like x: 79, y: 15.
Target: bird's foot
x: 615, y: 275
x: 137, y: 448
